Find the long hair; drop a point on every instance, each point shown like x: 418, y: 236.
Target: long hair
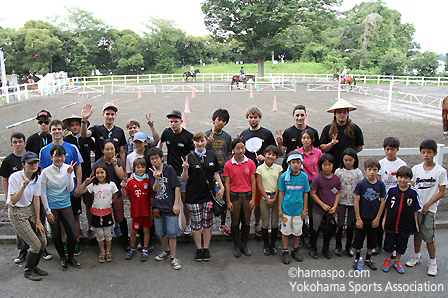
x: 349, y: 127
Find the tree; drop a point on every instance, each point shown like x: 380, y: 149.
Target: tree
x: 127, y: 51
x: 393, y: 62
x: 425, y: 64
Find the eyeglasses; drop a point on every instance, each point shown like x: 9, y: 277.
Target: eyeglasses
x: 43, y: 122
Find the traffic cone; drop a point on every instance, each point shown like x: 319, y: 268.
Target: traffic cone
x: 139, y: 94
x: 193, y: 93
x: 184, y: 124
x: 274, y: 106
x: 187, y: 106
x: 251, y: 92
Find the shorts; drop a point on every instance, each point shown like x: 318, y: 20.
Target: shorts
x: 398, y: 242
x: 104, y: 233
x: 427, y: 225
x: 102, y: 221
x: 183, y: 185
x: 76, y: 205
x: 367, y: 230
x: 87, y: 199
x: 291, y: 225
x: 201, y: 215
x: 167, y: 225
x: 141, y: 222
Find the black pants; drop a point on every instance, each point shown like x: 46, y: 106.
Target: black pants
x: 64, y: 216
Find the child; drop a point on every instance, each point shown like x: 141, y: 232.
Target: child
x: 140, y: 195
x: 400, y: 218
x: 349, y: 175
x: 105, y: 193
x: 293, y: 198
x: 267, y: 178
x: 164, y: 182
x: 430, y: 180
x: 325, y: 190
x: 239, y: 175
x: 139, y: 142
x: 389, y: 166
x: 369, y: 205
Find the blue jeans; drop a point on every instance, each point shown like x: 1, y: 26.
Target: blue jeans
x: 167, y: 225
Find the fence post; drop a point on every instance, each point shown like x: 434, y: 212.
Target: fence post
x: 26, y: 91
x: 378, y: 82
x: 423, y: 81
x: 389, y: 105
x: 99, y: 83
x: 365, y: 79
x: 439, y: 157
x: 18, y: 92
x: 438, y: 82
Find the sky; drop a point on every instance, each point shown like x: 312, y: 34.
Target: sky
x: 426, y: 15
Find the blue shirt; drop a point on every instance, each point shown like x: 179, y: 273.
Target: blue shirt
x: 55, y: 180
x: 294, y: 190
x: 370, y: 197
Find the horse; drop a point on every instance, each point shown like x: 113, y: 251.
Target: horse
x: 445, y: 117
x: 188, y: 74
x: 237, y: 79
x: 347, y: 80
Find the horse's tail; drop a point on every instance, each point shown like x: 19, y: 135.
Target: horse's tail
x: 354, y: 81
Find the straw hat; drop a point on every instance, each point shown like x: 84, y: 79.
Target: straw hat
x: 67, y: 120
x: 341, y: 104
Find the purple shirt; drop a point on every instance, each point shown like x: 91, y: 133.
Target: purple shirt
x: 326, y: 190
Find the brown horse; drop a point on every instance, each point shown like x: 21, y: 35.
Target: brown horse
x: 347, y: 80
x: 445, y: 117
x: 188, y: 74
x: 237, y: 79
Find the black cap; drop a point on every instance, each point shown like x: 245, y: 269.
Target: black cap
x: 44, y: 114
x: 174, y: 113
x: 29, y: 157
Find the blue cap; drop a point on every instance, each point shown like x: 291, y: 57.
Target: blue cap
x: 139, y: 136
x: 29, y: 157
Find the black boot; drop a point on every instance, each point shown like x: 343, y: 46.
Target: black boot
x: 244, y: 239
x: 339, y: 237
x: 265, y: 236
x: 29, y: 267
x: 37, y: 270
x: 273, y: 239
x: 326, y: 246
x: 236, y: 241
x: 349, y: 238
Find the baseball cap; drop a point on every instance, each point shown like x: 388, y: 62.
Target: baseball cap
x: 110, y: 105
x: 174, y: 113
x: 44, y: 114
x: 139, y: 136
x: 29, y: 157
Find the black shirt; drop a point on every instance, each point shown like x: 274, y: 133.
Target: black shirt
x: 84, y: 145
x: 179, y: 145
x: 10, y: 164
x: 264, y: 135
x: 37, y: 141
x: 198, y: 190
x: 292, y: 140
x: 101, y: 133
x: 165, y: 196
x: 401, y: 206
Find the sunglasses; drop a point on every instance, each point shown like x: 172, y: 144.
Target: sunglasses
x: 42, y: 122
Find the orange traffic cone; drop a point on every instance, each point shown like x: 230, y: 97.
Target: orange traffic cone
x: 184, y: 124
x: 274, y: 106
x: 187, y: 106
x: 193, y: 93
x: 251, y: 92
x: 139, y: 94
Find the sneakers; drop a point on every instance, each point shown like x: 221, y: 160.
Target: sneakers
x: 175, y: 263
x: 21, y: 257
x: 267, y: 251
x: 46, y: 255
x: 376, y: 250
x: 109, y: 256
x: 394, y: 255
x: 144, y: 256
x: 77, y: 249
x: 296, y: 256
x: 187, y: 231
x: 338, y: 251
x: 413, y: 261
x: 355, y: 265
x: 74, y: 263
x: 130, y: 254
x: 349, y: 252
x: 117, y: 231
x: 399, y: 267
x: 198, y: 255
x: 225, y: 229
x: 386, y: 266
x: 257, y: 229
x: 162, y: 256
x: 139, y: 246
x: 313, y: 254
x: 371, y: 265
x: 432, y: 270
x: 326, y: 254
x: 206, y: 256
x: 285, y: 257
x: 102, y: 257
x: 273, y: 250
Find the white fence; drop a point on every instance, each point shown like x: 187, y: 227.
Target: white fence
x: 133, y: 89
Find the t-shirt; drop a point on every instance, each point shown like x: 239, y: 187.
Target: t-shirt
x: 310, y: 162
x: 427, y: 183
x: 221, y: 145
x: 56, y: 182
x: 37, y: 141
x: 85, y: 146
x: 294, y: 190
x: 344, y: 142
x: 113, y: 175
x: 269, y: 176
x: 401, y: 206
x: 101, y: 133
x: 263, y: 135
x: 139, y: 194
x: 389, y: 170
x: 129, y: 147
x: 178, y: 145
x: 370, y: 197
x: 102, y: 197
x: 10, y: 164
x: 240, y: 174
x: 164, y: 198
x: 292, y: 141
x: 326, y: 190
x: 198, y: 191
x: 15, y: 183
x: 130, y: 161
x: 349, y: 179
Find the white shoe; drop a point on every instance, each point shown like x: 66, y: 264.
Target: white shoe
x: 432, y: 269
x: 187, y: 231
x: 176, y: 264
x: 413, y: 261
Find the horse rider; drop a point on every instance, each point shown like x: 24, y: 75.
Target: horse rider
x: 192, y: 70
x: 243, y: 76
x: 344, y: 73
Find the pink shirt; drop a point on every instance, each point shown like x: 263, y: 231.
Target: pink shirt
x: 310, y: 162
x: 240, y: 174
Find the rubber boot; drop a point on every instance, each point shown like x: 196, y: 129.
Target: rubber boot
x: 326, y: 246
x: 244, y: 239
x: 313, y: 243
x: 265, y: 237
x: 37, y: 270
x: 29, y: 267
x: 236, y: 241
x: 273, y: 239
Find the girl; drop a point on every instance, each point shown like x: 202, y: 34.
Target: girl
x: 349, y: 175
x: 105, y: 193
x: 325, y: 190
x: 239, y: 176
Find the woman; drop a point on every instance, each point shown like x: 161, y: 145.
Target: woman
x: 24, y: 190
x: 200, y: 171
x: 116, y: 171
x: 342, y: 133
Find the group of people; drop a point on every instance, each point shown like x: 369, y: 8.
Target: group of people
x: 47, y: 176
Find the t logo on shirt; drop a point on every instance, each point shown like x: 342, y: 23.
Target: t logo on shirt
x: 138, y: 192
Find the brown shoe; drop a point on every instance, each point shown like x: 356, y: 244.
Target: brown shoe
x: 109, y: 256
x: 102, y: 257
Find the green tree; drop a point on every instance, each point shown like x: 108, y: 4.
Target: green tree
x: 393, y: 62
x: 425, y: 64
x: 127, y: 51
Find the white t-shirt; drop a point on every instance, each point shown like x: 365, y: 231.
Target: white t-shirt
x: 15, y: 183
x: 389, y: 170
x: 130, y: 161
x: 427, y: 183
x: 102, y: 194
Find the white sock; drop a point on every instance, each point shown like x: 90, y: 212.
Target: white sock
x: 432, y: 261
x: 418, y: 255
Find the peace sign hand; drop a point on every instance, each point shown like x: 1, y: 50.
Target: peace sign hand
x: 185, y: 164
x: 89, y: 179
x: 155, y: 173
x: 71, y: 167
x: 210, y: 137
x: 149, y: 120
x: 114, y: 160
x: 279, y: 137
x: 26, y: 181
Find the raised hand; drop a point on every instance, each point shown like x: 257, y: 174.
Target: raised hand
x: 123, y: 183
x: 86, y: 111
x: 210, y: 137
x: 155, y: 173
x: 26, y: 181
x: 149, y: 120
x: 114, y: 160
x: 185, y: 164
x: 279, y: 137
x: 89, y: 179
x: 71, y: 167
x: 334, y: 139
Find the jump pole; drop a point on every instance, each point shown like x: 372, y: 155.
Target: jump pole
x: 339, y: 89
x: 389, y: 105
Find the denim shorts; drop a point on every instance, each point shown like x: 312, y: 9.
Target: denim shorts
x: 167, y: 225
x: 183, y: 185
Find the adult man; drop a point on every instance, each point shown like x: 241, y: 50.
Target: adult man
x: 42, y: 138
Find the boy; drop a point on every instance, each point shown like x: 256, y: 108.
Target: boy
x: 293, y: 198
x: 400, y: 218
x: 140, y: 195
x: 370, y: 194
x: 42, y: 138
x: 430, y: 181
x: 165, y: 184
x: 133, y: 127
x: 389, y: 166
x: 139, y: 143
x: 220, y: 142
x: 179, y: 143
